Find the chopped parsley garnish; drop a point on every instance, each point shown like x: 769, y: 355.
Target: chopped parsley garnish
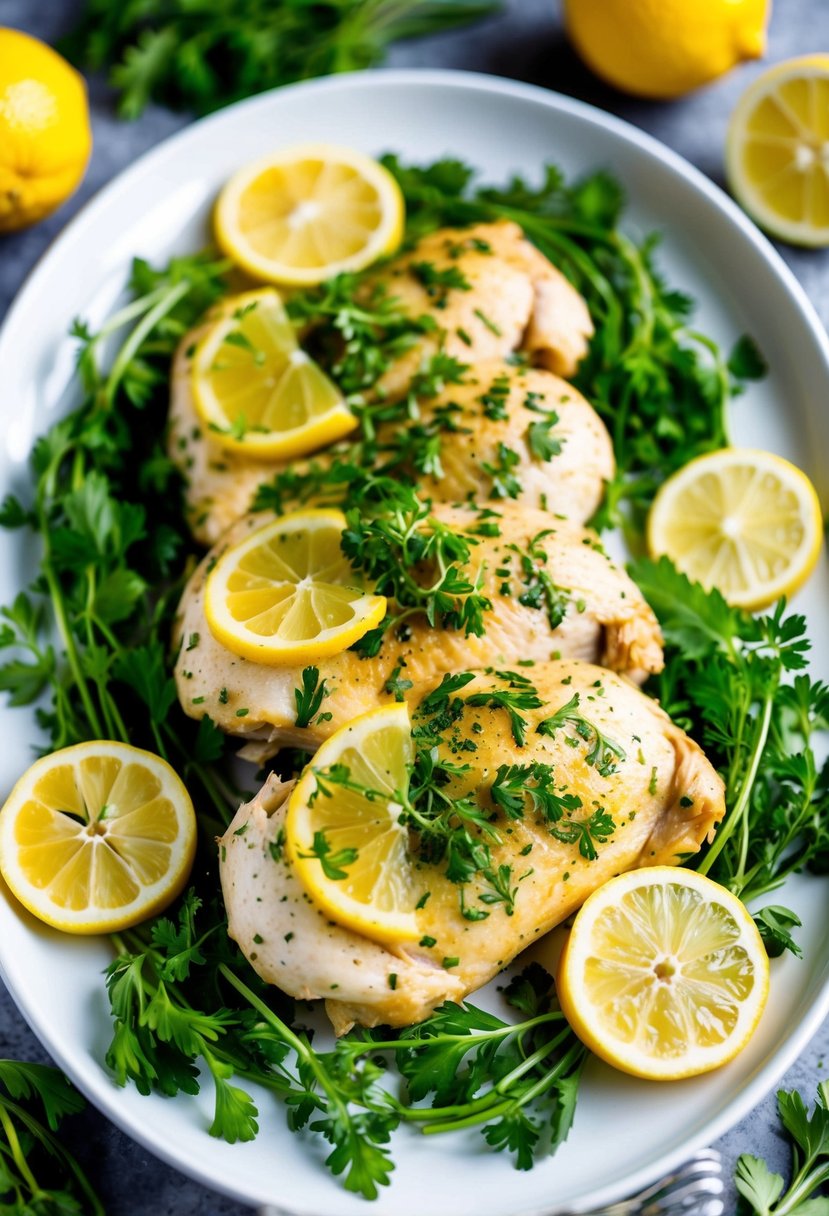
x: 603, y: 753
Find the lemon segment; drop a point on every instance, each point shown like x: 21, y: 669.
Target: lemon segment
x: 45, y: 135
x: 257, y: 391
x: 746, y: 522
x: 288, y: 595
x: 777, y: 150
x: 376, y: 894
x: 97, y: 837
x: 307, y: 213
x: 664, y: 974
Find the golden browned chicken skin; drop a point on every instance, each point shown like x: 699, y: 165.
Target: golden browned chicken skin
x: 508, y: 297
x: 606, y: 620
x: 536, y: 310
x: 661, y: 794
x: 525, y: 426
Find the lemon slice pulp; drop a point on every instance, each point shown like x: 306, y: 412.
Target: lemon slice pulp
x: 744, y: 521
x: 257, y: 391
x: 349, y: 848
x: 664, y: 975
x: 97, y: 837
x: 305, y: 214
x: 287, y: 594
x: 777, y: 150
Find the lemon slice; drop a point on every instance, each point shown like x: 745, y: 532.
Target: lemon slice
x: 287, y: 593
x: 333, y: 830
x: 744, y: 521
x: 664, y: 974
x: 257, y: 391
x: 777, y: 150
x: 97, y: 837
x: 304, y: 214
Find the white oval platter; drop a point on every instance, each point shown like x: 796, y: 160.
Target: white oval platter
x: 626, y: 1132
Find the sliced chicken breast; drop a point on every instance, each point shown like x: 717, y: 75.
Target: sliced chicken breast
x: 662, y: 797
x: 491, y: 292
x: 509, y: 431
x: 605, y: 619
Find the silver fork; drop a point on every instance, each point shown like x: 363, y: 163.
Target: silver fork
x: 695, y: 1189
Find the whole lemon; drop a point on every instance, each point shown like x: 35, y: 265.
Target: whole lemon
x: 664, y: 48
x: 45, y: 138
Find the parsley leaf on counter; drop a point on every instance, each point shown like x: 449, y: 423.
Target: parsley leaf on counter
x: 764, y: 1190
x: 202, y: 56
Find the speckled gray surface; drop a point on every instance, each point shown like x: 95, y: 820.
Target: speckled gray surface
x: 526, y: 43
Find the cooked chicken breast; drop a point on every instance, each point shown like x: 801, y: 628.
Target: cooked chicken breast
x: 527, y: 411
x: 605, y: 620
x: 504, y: 423
x: 491, y: 292
x: 512, y: 298
x: 661, y: 793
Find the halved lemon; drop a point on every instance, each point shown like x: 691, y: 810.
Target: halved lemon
x: 664, y: 974
x: 257, y: 391
x: 97, y: 837
x: 287, y: 594
x: 345, y: 842
x: 307, y: 213
x: 744, y: 521
x: 777, y: 150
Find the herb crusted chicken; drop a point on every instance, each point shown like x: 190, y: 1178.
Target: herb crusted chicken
x: 453, y: 371
x: 549, y: 589
x: 580, y: 775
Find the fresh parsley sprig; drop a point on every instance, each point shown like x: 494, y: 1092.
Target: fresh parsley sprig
x: 182, y: 997
x: 765, y: 1192
x: 200, y: 57
x: 736, y: 682
x: 420, y: 563
x: 106, y: 510
x: 39, y: 1176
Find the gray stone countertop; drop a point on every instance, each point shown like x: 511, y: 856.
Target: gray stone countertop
x: 527, y: 42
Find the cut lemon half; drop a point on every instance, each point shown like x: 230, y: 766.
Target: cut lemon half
x: 777, y: 150
x: 257, y: 391
x: 97, y: 837
x: 346, y: 843
x: 664, y: 974
x: 305, y: 214
x: 746, y: 522
x: 287, y: 594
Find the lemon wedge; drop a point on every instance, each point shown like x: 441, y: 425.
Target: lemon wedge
x: 346, y: 843
x: 664, y: 974
x: 288, y: 595
x: 777, y: 150
x: 744, y: 521
x: 97, y: 837
x: 305, y: 214
x: 257, y: 391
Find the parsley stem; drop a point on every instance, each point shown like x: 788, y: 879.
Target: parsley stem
x: 303, y: 1050
x: 809, y: 1178
x: 437, y: 1040
x: 126, y: 354
x: 471, y: 1120
x: 738, y: 816
x: 66, y: 634
x: 10, y: 1132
